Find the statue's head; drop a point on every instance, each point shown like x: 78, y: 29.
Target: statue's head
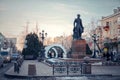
x: 78, y: 15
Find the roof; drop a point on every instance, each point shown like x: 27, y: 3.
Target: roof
x: 115, y: 14
x: 1, y: 35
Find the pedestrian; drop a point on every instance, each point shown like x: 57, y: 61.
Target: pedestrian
x: 108, y: 56
x: 112, y: 56
x: 15, y: 66
x: 18, y: 67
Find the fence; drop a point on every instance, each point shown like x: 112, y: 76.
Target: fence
x: 71, y: 68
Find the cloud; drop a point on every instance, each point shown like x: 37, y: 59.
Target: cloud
x: 71, y: 10
x: 2, y: 8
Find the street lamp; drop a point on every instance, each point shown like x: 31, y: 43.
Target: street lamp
x: 42, y: 51
x: 43, y: 35
x: 95, y: 42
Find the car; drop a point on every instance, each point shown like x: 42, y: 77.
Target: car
x: 1, y: 61
x: 6, y: 56
x: 15, y: 56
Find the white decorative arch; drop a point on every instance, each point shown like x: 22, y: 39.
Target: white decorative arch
x: 52, y: 46
x: 56, y: 53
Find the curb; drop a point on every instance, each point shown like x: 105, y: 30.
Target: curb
x: 14, y: 76
x: 34, y: 76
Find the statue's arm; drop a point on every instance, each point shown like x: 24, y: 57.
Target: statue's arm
x: 74, y: 22
x: 81, y: 23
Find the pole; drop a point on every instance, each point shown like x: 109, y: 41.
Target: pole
x: 94, y: 53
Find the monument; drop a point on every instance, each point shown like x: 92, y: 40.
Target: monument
x: 78, y: 44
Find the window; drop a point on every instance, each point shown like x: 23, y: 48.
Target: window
x: 110, y: 23
x: 118, y: 21
x: 118, y: 32
x: 115, y: 21
x: 107, y: 23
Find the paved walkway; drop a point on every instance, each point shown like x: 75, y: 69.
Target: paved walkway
x: 114, y: 70
x: 44, y: 70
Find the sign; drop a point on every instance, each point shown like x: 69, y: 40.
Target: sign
x: 75, y: 69
x: 60, y: 69
x: 72, y: 68
x: 106, y: 28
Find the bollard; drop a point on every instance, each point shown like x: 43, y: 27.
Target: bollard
x: 67, y: 69
x: 53, y: 69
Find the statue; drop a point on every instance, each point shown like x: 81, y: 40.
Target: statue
x: 78, y: 28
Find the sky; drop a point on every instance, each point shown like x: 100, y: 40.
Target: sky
x: 54, y: 16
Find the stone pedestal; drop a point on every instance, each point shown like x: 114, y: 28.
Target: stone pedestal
x: 78, y: 49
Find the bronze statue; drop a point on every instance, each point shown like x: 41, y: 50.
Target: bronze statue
x: 78, y: 28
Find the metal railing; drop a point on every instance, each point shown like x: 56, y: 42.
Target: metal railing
x: 71, y: 68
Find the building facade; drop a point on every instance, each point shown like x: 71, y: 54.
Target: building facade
x: 110, y: 26
x: 7, y: 43
x: 2, y: 38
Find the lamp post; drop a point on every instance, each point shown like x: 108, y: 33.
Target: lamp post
x: 43, y: 35
x: 42, y: 51
x: 95, y: 41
